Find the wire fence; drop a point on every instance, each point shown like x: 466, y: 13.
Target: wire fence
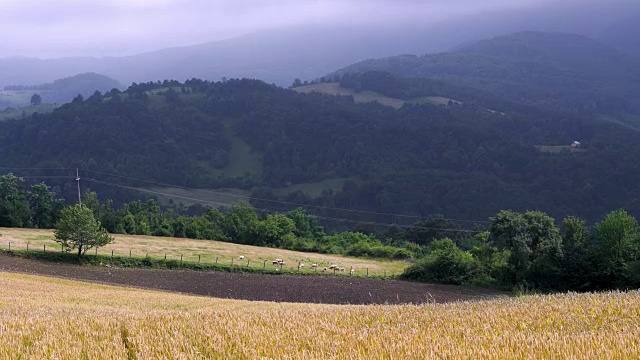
x: 202, y: 261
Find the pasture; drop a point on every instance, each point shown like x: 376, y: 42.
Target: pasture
x: 206, y: 251
x: 26, y: 111
x: 48, y: 318
x: 559, y: 149
x: 370, y: 96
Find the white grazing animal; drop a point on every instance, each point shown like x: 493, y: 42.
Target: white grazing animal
x: 241, y: 257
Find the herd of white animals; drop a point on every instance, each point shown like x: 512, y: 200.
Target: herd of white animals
x: 281, y: 263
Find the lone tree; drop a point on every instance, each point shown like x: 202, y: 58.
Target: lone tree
x: 36, y: 99
x: 79, y: 229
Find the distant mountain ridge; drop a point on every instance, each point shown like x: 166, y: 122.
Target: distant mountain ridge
x: 309, y: 51
x: 564, y: 71
x: 59, y: 91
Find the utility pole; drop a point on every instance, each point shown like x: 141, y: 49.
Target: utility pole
x: 78, y: 180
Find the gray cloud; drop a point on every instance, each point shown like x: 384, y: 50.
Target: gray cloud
x: 51, y: 28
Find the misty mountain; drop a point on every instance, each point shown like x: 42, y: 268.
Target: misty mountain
x: 58, y: 92
x: 624, y: 35
x: 309, y: 51
x: 64, y: 90
x: 552, y: 70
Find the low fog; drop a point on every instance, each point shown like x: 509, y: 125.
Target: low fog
x: 60, y: 28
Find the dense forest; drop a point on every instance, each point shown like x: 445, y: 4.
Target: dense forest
x: 459, y: 160
x: 523, y: 251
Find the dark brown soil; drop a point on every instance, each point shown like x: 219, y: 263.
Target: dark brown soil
x: 280, y: 288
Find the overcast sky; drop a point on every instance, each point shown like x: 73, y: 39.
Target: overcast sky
x: 54, y: 28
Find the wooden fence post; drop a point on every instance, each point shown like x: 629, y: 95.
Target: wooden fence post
x: 129, y: 253
x: 247, y: 262
x: 298, y: 265
x: 112, y: 253
x: 96, y: 251
x: 44, y: 248
x: 9, y: 245
x: 180, y: 259
x: 165, y: 256
x: 216, y: 260
x: 232, y: 262
x: 264, y: 265
x: 27, y: 246
x: 198, y: 258
x: 367, y: 272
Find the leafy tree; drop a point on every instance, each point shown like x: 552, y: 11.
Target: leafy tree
x: 78, y: 229
x: 240, y: 223
x: 36, y: 99
x: 534, y: 243
x: 577, y: 265
x: 618, y: 236
x: 43, y: 206
x: 271, y: 230
x: 306, y: 226
x: 14, y: 210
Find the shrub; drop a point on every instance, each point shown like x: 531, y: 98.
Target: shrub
x: 445, y: 264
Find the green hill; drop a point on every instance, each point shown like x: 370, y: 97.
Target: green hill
x: 460, y: 161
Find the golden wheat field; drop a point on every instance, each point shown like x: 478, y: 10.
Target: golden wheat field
x: 48, y: 318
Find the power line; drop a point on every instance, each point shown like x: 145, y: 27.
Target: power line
x: 45, y: 177
x: 238, y: 196
x: 27, y: 168
x: 282, y: 201
x: 273, y: 211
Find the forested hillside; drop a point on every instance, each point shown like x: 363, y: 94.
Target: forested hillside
x: 553, y: 71
x: 459, y: 160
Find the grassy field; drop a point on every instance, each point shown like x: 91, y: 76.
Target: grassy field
x: 91, y: 321
x: 207, y: 251
x: 18, y: 98
x: 312, y: 190
x: 27, y: 111
x: 229, y: 196
x: 206, y: 196
x: 557, y: 149
x: 370, y: 96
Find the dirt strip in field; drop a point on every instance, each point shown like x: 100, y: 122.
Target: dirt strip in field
x: 279, y: 288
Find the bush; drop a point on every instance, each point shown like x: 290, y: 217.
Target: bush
x: 445, y: 264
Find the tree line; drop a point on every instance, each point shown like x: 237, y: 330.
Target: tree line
x: 524, y: 250
x: 528, y: 251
